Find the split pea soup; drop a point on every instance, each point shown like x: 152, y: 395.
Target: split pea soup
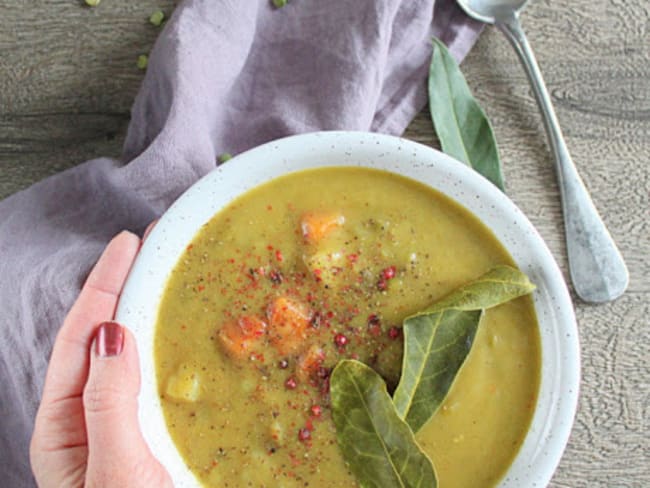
x: 312, y: 268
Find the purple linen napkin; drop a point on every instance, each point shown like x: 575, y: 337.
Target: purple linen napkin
x: 224, y: 76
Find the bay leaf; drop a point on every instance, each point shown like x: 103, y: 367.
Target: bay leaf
x: 377, y: 444
x: 438, y: 340
x: 463, y: 128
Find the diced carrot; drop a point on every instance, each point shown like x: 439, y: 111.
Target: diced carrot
x: 288, y: 324
x: 252, y: 326
x: 238, y: 337
x: 232, y: 340
x: 316, y: 225
x: 309, y: 362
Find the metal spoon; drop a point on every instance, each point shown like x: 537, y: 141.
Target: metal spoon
x: 597, y: 268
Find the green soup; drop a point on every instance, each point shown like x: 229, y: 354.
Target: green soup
x: 315, y: 267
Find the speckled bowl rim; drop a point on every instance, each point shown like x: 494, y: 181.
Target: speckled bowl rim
x: 558, y: 395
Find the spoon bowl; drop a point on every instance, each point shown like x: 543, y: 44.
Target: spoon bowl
x: 491, y: 11
x: 597, y: 269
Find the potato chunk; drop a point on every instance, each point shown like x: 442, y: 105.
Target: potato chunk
x: 184, y: 384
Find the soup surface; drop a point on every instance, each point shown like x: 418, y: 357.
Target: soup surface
x: 312, y: 268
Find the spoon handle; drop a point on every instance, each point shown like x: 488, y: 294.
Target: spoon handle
x: 597, y: 268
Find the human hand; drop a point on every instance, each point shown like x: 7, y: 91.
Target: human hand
x: 86, y: 431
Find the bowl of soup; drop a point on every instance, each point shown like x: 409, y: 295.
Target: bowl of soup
x: 315, y: 249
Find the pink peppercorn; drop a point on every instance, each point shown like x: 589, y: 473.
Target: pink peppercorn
x: 322, y: 372
x: 304, y: 434
x: 291, y: 383
x: 340, y: 340
x: 389, y: 273
x: 394, y: 332
x: 276, y: 277
x: 325, y: 386
x: 374, y: 324
x: 316, y: 410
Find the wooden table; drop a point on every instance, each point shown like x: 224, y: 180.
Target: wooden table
x: 68, y: 76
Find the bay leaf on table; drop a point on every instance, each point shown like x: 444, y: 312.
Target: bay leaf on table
x: 378, y: 446
x: 438, y: 340
x: 463, y: 128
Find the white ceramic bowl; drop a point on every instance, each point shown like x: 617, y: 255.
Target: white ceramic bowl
x: 556, y: 406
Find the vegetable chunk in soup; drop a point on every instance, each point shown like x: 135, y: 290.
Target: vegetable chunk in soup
x: 312, y: 268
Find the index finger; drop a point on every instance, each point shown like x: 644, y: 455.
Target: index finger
x: 68, y: 369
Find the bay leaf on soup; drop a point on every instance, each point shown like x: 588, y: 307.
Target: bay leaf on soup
x: 378, y: 446
x: 438, y: 340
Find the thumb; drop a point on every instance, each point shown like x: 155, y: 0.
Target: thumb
x: 117, y: 452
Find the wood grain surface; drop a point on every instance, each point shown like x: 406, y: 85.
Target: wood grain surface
x: 68, y: 76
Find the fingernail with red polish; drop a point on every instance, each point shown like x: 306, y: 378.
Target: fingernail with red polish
x: 109, y: 339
